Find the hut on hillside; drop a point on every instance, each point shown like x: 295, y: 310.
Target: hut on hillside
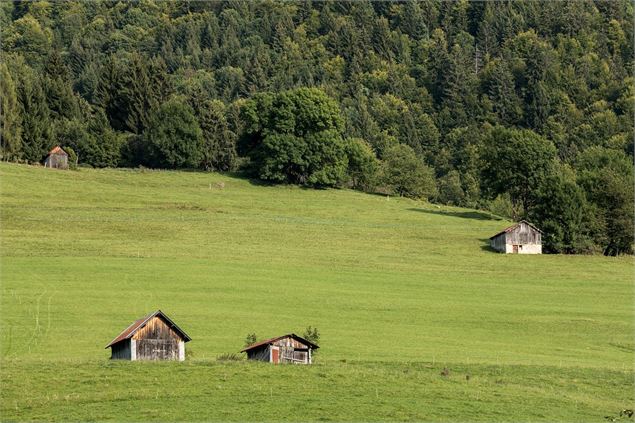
x: 154, y: 337
x: 289, y: 348
x: 521, y: 238
x: 57, y: 158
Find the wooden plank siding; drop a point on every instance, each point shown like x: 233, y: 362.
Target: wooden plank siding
x: 289, y: 351
x: 157, y: 341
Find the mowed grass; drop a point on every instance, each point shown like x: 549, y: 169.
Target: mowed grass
x: 399, y: 289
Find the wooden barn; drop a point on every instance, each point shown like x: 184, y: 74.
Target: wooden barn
x: 289, y: 348
x: 154, y: 337
x: 521, y: 238
x: 57, y: 159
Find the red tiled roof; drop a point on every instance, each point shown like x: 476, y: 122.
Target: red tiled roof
x: 514, y: 226
x: 138, y: 324
x: 272, y: 340
x: 58, y: 150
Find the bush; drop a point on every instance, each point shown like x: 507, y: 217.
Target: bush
x: 173, y: 137
x: 250, y: 339
x: 313, y: 335
x: 72, y: 157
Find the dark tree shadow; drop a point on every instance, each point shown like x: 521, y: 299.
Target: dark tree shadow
x: 462, y: 214
x: 260, y: 182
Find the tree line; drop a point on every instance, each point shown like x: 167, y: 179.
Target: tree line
x: 522, y: 108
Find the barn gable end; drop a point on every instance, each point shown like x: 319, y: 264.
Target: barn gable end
x: 154, y: 337
x: 57, y: 158
x: 521, y: 238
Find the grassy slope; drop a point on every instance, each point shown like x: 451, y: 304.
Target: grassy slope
x: 398, y: 289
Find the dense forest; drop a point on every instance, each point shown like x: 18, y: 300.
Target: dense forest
x: 524, y: 108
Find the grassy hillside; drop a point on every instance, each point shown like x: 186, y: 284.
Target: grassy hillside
x: 399, y: 289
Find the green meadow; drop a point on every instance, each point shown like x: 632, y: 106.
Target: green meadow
x: 399, y: 289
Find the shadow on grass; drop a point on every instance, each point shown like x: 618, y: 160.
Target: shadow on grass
x: 263, y: 183
x: 259, y: 182
x: 462, y: 214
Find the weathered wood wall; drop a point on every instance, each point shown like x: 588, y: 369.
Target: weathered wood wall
x: 157, y: 341
x: 524, y: 234
x: 288, y: 351
x: 59, y: 161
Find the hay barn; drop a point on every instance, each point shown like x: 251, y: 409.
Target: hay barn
x: 289, y: 348
x: 521, y: 238
x: 57, y: 159
x: 154, y: 337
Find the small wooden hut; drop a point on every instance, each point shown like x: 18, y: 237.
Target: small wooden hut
x: 154, y: 337
x: 289, y: 348
x: 57, y: 158
x: 521, y: 238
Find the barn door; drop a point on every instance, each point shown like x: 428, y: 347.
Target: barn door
x: 157, y: 349
x: 275, y: 355
x: 515, y: 249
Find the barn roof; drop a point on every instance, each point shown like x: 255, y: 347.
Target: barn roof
x: 272, y: 340
x: 514, y: 226
x: 58, y: 150
x: 138, y: 324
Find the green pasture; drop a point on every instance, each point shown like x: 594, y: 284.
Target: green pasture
x: 399, y: 290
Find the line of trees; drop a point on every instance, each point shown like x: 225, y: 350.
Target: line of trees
x: 524, y: 108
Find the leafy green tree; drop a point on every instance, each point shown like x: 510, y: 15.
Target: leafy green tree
x: 317, y: 159
x: 563, y: 214
x: 607, y: 178
x: 403, y: 173
x: 173, y: 138
x: 219, y: 142
x: 450, y: 189
x: 295, y: 137
x: 363, y: 165
x: 27, y: 36
x: 517, y: 161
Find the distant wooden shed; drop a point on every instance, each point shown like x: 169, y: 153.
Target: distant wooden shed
x: 521, y: 238
x: 57, y: 158
x: 289, y: 348
x: 154, y: 337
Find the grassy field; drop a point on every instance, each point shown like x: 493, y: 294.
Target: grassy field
x: 399, y: 290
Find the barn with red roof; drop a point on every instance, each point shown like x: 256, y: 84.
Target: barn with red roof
x: 57, y: 158
x: 289, y: 348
